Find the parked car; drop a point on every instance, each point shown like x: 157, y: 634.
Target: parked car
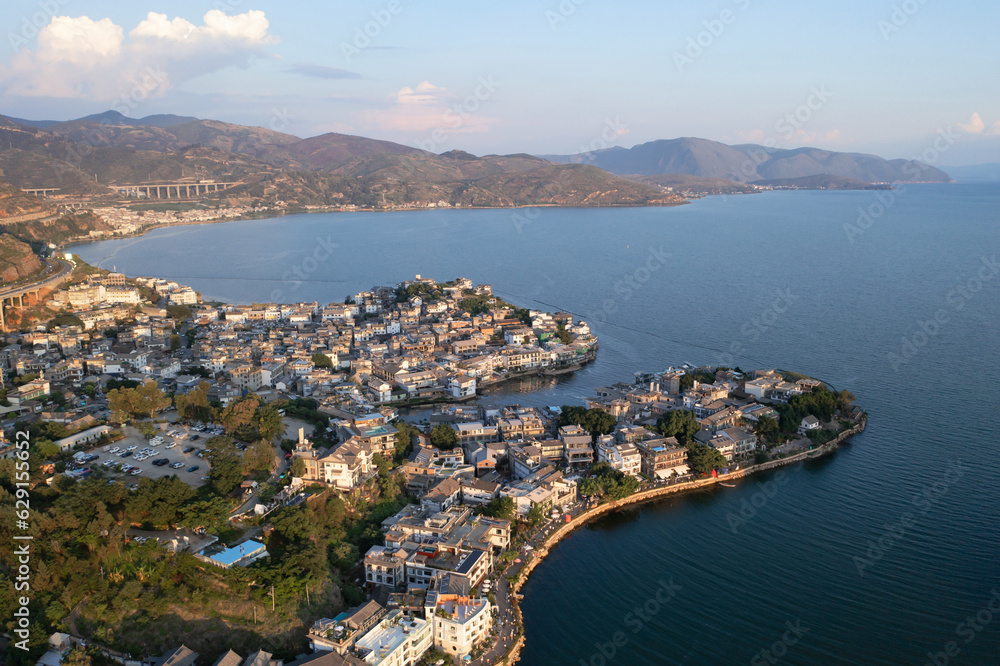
x: 177, y: 465
x: 194, y: 468
x: 189, y: 449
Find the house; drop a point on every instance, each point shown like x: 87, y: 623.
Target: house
x: 577, y: 450
x: 182, y: 656
x: 808, y: 423
x: 744, y: 442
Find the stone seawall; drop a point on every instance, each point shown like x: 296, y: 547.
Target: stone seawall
x: 540, y: 551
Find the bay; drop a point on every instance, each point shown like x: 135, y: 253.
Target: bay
x: 901, y: 307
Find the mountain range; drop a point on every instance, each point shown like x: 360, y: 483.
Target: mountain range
x: 86, y: 156
x: 750, y: 163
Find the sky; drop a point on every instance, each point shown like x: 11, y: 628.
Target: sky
x: 899, y: 78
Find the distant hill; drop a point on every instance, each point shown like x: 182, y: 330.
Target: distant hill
x: 823, y: 181
x: 750, y: 162
x: 681, y: 182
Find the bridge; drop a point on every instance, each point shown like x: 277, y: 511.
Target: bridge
x: 40, y: 191
x: 173, y: 190
x: 15, y: 296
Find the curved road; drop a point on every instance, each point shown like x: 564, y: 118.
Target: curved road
x: 65, y: 269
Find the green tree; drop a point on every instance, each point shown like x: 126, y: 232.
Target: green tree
x: 237, y: 418
x: 298, y: 467
x: 444, y: 437
x: 703, y: 459
x: 679, y: 423
x: 270, y: 423
x: 227, y: 464
x: 595, y: 421
x: 404, y: 440
x: 322, y: 361
x: 500, y: 507
x: 158, y: 501
x: 175, y: 342
x: 259, y: 457
x: 195, y: 405
x: 767, y: 429
x: 179, y: 312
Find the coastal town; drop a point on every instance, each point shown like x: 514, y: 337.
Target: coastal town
x: 239, y: 436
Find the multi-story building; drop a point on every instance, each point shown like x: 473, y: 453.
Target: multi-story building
x: 662, y: 458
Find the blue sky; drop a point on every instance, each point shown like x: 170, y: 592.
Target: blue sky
x: 543, y: 77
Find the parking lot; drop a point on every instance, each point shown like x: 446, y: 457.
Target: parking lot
x: 171, y: 442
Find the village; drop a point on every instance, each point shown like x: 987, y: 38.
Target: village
x: 483, y: 484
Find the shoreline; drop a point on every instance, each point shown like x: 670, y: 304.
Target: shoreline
x: 541, y: 551
x: 87, y: 240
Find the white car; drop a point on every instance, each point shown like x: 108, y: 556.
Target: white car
x: 131, y: 447
x: 177, y: 465
x: 170, y: 445
x: 114, y: 449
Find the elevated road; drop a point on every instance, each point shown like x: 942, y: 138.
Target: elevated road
x: 57, y: 271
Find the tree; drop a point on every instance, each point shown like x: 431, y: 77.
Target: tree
x: 564, y: 336
x: 845, y: 400
x: 443, y: 437
x: 298, y: 467
x: 269, y: 421
x: 179, y: 312
x: 142, y: 401
x: 595, y: 421
x: 679, y: 423
x: 322, y: 361
x: 237, y: 418
x: 195, y: 405
x: 703, y: 459
x: 767, y: 428
x: 404, y: 440
x: 175, y: 342
x: 158, y: 502
x: 259, y: 457
x: 227, y: 464
x: 500, y: 507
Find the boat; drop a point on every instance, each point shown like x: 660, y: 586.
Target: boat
x: 727, y: 485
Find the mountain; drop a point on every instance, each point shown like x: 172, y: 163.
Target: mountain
x: 750, y: 162
x: 84, y: 157
x: 695, y: 185
x: 422, y: 179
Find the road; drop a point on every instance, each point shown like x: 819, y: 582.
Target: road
x: 65, y: 269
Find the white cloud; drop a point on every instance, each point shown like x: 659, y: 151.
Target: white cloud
x: 995, y: 130
x: 974, y: 126
x: 83, y: 58
x: 428, y: 107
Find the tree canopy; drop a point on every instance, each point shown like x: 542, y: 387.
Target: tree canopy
x: 444, y: 437
x: 595, y: 421
x: 679, y: 423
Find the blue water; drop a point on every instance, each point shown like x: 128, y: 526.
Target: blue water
x: 905, y: 314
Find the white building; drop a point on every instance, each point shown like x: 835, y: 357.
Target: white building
x: 459, y: 622
x: 396, y: 641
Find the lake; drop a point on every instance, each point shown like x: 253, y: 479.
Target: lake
x: 879, y: 554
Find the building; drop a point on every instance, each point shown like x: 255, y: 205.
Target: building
x: 662, y: 458
x: 397, y: 640
x: 622, y: 457
x: 240, y: 555
x: 459, y: 621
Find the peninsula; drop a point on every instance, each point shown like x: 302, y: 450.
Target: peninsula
x: 243, y: 477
